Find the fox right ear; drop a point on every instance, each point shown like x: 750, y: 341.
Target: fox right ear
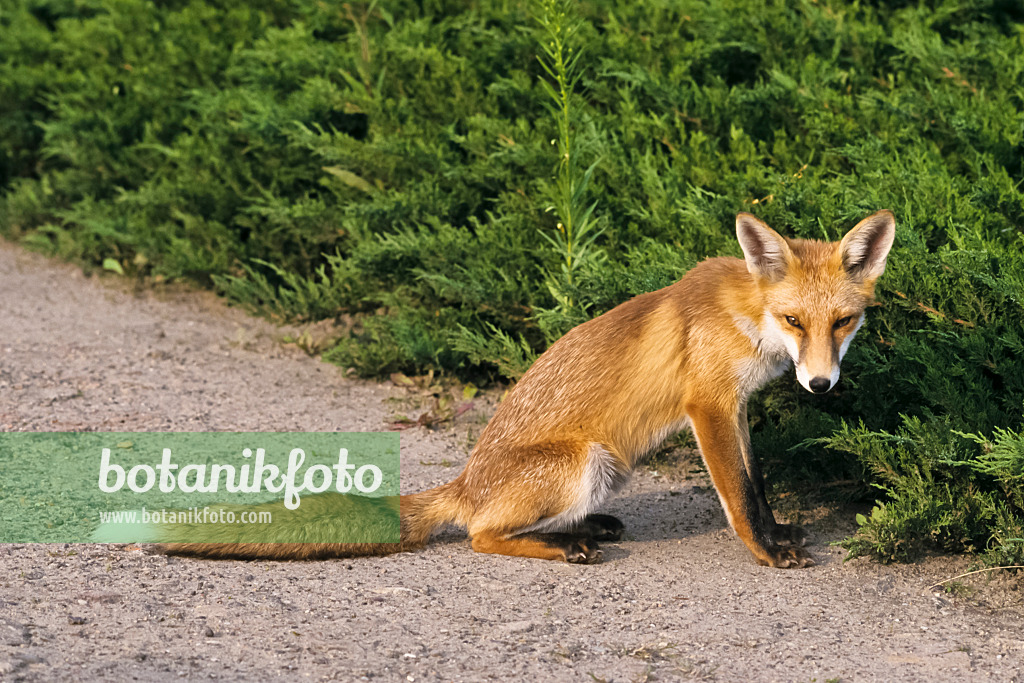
x: 765, y: 251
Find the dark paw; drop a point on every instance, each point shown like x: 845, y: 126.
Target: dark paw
x: 789, y: 534
x: 601, y: 527
x: 788, y: 557
x: 583, y: 551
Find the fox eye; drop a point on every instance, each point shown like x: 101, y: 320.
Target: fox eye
x: 843, y: 322
x: 792, y: 321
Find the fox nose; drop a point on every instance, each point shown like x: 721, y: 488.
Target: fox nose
x: 820, y: 385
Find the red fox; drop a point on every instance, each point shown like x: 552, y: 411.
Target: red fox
x: 612, y: 389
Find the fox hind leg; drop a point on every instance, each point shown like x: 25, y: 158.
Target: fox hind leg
x: 577, y: 546
x: 567, y: 547
x: 546, y: 511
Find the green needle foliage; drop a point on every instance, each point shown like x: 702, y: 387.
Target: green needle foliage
x: 393, y: 162
x: 573, y: 240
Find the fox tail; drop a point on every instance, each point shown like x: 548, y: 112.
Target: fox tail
x: 300, y: 534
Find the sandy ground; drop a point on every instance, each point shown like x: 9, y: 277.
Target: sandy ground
x: 681, y: 598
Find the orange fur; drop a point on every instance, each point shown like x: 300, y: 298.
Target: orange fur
x: 612, y: 389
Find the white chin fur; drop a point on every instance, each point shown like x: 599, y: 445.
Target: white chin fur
x: 803, y: 377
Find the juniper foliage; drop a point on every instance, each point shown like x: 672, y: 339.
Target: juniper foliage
x: 393, y: 162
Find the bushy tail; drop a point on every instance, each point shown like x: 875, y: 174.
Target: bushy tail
x: 421, y: 513
x: 318, y: 517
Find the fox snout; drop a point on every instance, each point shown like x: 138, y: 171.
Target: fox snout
x: 817, y: 365
x: 819, y: 354
x: 815, y: 379
x: 819, y: 385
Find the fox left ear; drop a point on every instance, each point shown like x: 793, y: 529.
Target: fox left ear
x: 866, y: 246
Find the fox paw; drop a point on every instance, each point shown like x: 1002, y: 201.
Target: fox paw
x: 601, y: 527
x: 788, y: 557
x: 789, y: 534
x: 583, y: 551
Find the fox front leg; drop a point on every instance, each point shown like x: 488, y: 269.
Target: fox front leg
x: 721, y: 442
x: 781, y: 534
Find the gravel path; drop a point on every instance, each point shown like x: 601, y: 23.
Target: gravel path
x: 681, y: 599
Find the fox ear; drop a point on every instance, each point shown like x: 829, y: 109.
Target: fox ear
x: 765, y: 250
x: 867, y: 245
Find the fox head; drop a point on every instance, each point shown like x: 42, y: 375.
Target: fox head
x: 815, y: 293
